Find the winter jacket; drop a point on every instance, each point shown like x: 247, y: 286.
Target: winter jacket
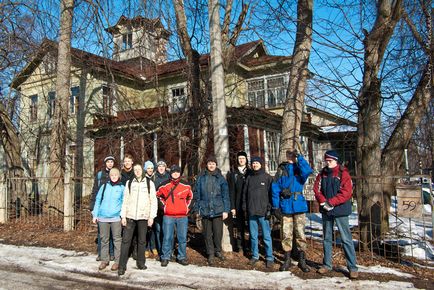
x: 101, y: 178
x: 335, y: 186
x: 140, y: 201
x: 109, y: 200
x: 287, y: 189
x: 126, y: 175
x: 211, y: 203
x: 159, y: 179
x: 257, y: 193
x: 236, y: 181
x: 177, y: 201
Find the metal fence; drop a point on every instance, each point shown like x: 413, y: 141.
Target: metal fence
x: 407, y: 235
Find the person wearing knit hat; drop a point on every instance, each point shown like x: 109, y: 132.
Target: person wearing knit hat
x: 212, y: 203
x: 101, y: 178
x: 236, y: 179
x: 161, y: 177
x: 176, y: 196
x: 290, y: 207
x: 257, y: 159
x: 331, y: 154
x: 333, y: 190
x: 257, y: 204
x: 211, y: 158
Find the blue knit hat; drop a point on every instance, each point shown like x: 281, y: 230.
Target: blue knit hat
x: 331, y: 154
x: 148, y: 164
x: 257, y: 159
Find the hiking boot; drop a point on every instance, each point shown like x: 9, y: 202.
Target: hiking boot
x: 286, y: 262
x: 121, y: 271
x: 141, y: 267
x: 269, y: 264
x: 253, y: 261
x: 147, y: 254
x: 164, y: 263
x: 211, y: 260
x: 103, y: 265
x: 220, y: 256
x: 354, y: 274
x: 323, y: 270
x: 155, y: 252
x: 115, y: 267
x: 183, y: 262
x: 112, y: 258
x: 302, y: 262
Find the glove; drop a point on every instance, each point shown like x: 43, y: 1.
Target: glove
x: 277, y: 213
x: 327, y: 206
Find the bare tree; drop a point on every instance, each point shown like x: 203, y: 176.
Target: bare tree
x: 59, y: 131
x: 298, y: 75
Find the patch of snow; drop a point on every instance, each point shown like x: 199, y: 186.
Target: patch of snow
x: 83, y: 267
x: 338, y: 129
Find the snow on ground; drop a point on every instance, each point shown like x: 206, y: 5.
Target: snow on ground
x: 413, y: 235
x: 81, y: 266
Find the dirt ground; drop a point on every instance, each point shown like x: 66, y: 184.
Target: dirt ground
x: 45, y: 232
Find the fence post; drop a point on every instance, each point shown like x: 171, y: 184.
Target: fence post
x: 3, y: 203
x: 68, y: 200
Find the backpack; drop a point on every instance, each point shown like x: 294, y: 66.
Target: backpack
x: 148, y: 184
x: 99, y: 177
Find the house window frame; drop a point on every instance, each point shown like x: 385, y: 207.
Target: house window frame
x: 51, y: 103
x: 74, y: 100
x: 108, y: 100
x: 33, y: 107
x: 127, y: 41
x: 266, y: 91
x: 272, y: 143
x: 171, y: 97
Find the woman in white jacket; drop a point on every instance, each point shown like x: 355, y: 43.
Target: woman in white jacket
x: 139, y: 208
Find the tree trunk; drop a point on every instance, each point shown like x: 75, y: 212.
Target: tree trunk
x: 198, y: 110
x: 294, y: 103
x: 221, y: 143
x: 394, y: 150
x: 369, y: 189
x: 60, y: 121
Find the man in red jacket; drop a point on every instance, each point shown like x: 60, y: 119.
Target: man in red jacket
x: 333, y: 190
x: 176, y: 197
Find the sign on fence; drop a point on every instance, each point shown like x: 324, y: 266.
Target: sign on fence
x: 409, y: 201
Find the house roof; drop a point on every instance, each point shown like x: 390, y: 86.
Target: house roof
x: 124, y: 69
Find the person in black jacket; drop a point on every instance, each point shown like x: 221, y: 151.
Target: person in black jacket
x: 236, y: 179
x: 211, y: 202
x: 257, y: 202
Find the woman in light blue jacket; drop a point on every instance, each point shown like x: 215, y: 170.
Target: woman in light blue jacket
x: 107, y: 212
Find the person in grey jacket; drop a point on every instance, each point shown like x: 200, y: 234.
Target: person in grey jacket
x: 211, y: 202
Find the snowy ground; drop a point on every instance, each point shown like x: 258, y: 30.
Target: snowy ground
x: 415, y: 236
x: 80, y: 267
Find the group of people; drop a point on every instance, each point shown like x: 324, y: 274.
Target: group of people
x: 136, y: 199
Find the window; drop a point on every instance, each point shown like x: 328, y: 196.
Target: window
x: 256, y: 93
x: 33, y: 107
x: 178, y: 101
x: 107, y: 100
x: 127, y: 41
x: 74, y: 100
x: 267, y: 92
x: 276, y: 91
x: 51, y: 104
x: 273, y: 150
